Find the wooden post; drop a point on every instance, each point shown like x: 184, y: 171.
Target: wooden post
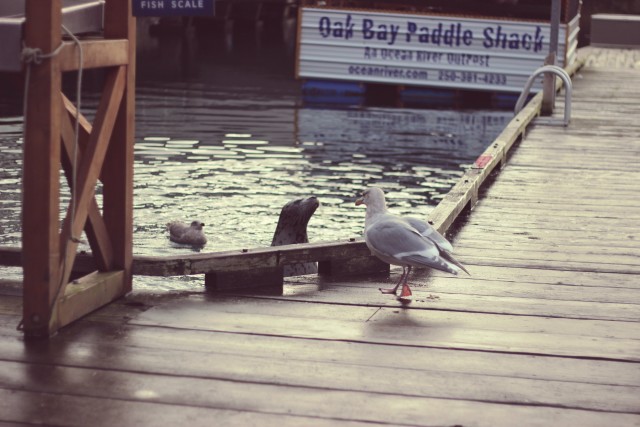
x: 105, y: 151
x: 118, y: 187
x: 549, y: 85
x: 548, y: 88
x: 41, y: 169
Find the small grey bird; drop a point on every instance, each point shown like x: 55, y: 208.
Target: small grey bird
x: 180, y: 232
x: 408, y: 242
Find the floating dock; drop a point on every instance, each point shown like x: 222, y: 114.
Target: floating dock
x: 544, y: 332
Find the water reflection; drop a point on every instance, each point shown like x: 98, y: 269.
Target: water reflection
x: 223, y: 136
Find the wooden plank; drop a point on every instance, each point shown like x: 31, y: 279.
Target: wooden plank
x: 541, y: 175
x: 268, y: 257
x: 443, y: 329
x: 96, y: 54
x: 44, y: 408
x: 207, y: 354
x: 524, y: 276
x: 87, y: 294
x: 316, y: 402
x: 203, y: 263
x: 540, y: 249
x: 513, y: 235
x: 335, y: 370
x: 544, y: 264
x: 41, y: 160
x: 430, y: 297
x: 593, y: 160
x: 551, y: 237
x: 533, y: 205
x: 555, y: 219
x: 606, y: 229
x: 625, y: 203
x: 558, y: 163
x: 428, y: 283
x: 576, y: 214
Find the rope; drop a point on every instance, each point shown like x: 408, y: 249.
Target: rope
x: 34, y: 56
x: 31, y: 55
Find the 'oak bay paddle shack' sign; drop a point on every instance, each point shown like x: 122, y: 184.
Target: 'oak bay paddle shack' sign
x: 427, y: 50
x: 173, y: 7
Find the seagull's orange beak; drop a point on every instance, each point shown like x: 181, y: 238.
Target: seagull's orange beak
x: 359, y: 201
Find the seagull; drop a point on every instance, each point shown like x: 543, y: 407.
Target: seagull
x: 180, y: 232
x: 405, y: 241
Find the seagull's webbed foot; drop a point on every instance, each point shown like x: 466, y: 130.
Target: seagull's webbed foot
x: 394, y: 290
x: 405, y: 295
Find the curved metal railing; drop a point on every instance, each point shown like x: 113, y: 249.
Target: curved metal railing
x: 567, y: 83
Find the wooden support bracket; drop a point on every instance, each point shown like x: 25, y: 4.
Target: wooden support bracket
x: 95, y: 227
x: 352, y: 266
x: 245, y: 279
x: 86, y: 294
x: 89, y: 170
x: 96, y: 54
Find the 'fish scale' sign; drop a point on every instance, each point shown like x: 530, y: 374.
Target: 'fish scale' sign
x: 425, y: 50
x: 173, y: 7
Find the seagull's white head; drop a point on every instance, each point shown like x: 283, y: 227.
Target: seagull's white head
x: 373, y: 198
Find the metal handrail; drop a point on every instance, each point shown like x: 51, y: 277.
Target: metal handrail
x: 568, y: 88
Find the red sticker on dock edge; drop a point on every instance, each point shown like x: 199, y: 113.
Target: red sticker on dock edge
x: 482, y: 161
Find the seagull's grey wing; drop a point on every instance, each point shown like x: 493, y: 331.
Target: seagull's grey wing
x: 393, y: 239
x: 396, y: 239
x: 430, y: 233
x: 436, y: 262
x: 447, y: 256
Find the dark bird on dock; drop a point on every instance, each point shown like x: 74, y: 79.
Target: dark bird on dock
x: 192, y: 234
x: 404, y: 241
x: 292, y: 228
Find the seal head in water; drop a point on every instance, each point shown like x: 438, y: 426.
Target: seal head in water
x: 292, y: 228
x: 187, y: 234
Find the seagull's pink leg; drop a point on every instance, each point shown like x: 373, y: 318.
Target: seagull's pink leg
x: 395, y: 289
x: 406, y: 290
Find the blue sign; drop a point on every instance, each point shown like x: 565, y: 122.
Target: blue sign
x: 173, y: 8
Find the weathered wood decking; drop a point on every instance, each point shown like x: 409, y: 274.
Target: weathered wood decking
x: 545, y: 332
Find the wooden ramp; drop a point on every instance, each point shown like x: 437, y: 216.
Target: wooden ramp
x: 545, y: 332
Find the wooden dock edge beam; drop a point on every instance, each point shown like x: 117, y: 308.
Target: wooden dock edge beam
x: 228, y: 270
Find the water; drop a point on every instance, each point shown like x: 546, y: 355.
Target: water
x: 223, y: 135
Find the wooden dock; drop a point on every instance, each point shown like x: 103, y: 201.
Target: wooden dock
x: 546, y: 331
